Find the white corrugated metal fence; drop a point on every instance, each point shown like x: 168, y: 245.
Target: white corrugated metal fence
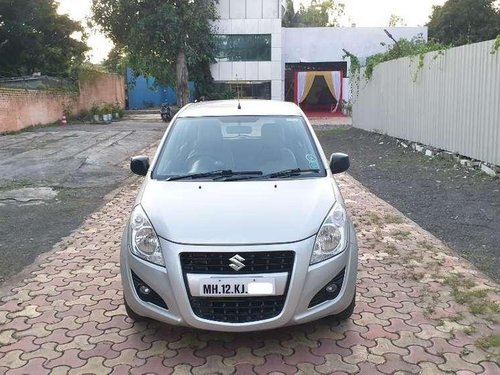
x: 452, y: 103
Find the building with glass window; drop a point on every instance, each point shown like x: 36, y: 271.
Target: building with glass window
x: 249, y: 54
x: 260, y: 59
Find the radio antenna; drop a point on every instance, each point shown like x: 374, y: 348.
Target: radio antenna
x: 238, y: 89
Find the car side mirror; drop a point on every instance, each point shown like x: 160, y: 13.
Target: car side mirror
x: 339, y: 163
x: 139, y: 165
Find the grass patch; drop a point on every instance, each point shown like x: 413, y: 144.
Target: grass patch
x: 476, y: 300
x: 336, y: 130
x: 470, y: 330
x: 393, y: 219
x: 426, y: 245
x: 400, y: 234
x: 374, y: 219
x: 391, y: 249
x: 489, y: 342
x: 15, y: 184
x: 417, y: 276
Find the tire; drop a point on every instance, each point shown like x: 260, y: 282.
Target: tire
x: 346, y: 314
x: 132, y: 314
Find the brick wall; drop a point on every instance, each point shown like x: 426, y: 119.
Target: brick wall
x: 23, y: 108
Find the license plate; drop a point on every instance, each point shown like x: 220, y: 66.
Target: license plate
x: 234, y: 287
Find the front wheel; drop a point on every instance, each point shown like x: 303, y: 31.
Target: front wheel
x: 346, y: 314
x: 131, y: 313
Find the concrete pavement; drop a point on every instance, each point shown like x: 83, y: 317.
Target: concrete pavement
x: 421, y: 310
x: 52, y: 178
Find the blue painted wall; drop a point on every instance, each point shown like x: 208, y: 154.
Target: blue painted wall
x: 143, y: 94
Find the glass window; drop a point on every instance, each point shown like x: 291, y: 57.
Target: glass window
x: 250, y: 47
x: 250, y: 90
x: 241, y: 143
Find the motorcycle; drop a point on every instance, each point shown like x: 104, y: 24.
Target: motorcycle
x: 166, y: 113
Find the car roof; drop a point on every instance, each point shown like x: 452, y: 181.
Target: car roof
x: 249, y: 107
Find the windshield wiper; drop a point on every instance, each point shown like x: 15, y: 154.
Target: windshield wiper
x: 216, y: 174
x: 290, y: 173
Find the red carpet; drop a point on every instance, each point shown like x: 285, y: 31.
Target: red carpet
x: 323, y: 114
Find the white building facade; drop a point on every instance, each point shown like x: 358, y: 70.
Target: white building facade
x: 251, y: 58
x: 260, y: 59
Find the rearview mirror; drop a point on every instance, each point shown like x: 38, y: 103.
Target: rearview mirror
x: 339, y: 163
x: 139, y: 165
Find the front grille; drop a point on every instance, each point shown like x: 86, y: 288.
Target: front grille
x: 255, y: 262
x: 237, y: 310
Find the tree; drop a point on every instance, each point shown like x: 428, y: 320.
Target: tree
x: 460, y: 22
x: 34, y: 38
x: 318, y: 14
x: 116, y: 62
x: 289, y: 14
x: 396, y: 21
x: 162, y: 38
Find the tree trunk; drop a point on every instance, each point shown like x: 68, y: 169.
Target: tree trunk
x: 182, y: 80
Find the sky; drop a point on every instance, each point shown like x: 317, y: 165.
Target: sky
x: 360, y: 12
x: 373, y: 13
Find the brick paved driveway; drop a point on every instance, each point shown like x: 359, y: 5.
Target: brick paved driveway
x: 66, y: 314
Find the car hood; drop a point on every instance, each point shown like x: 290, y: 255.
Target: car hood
x: 238, y: 212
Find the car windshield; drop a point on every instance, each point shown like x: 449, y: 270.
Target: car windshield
x: 262, y: 146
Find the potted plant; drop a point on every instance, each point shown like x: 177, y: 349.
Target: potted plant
x: 116, y: 111
x: 95, y: 112
x: 106, y: 113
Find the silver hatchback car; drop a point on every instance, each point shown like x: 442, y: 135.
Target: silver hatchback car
x: 239, y: 224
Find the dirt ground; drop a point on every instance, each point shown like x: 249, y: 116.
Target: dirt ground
x: 459, y: 206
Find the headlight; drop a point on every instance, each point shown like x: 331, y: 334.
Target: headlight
x: 331, y: 238
x: 143, y: 239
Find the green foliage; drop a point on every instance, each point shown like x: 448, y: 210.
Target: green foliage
x: 34, y: 38
x: 460, y: 22
x: 395, y: 21
x: 117, y: 61
x: 496, y: 45
x: 156, y: 35
x: 417, y: 47
x: 320, y: 13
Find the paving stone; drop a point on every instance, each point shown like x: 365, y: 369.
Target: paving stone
x: 394, y: 362
x: 157, y: 348
x: 34, y: 366
x: 275, y: 347
x: 407, y: 338
x: 92, y: 366
x: 182, y: 370
x: 384, y: 346
x: 46, y: 351
x: 328, y: 346
x: 153, y: 365
x: 490, y: 368
x: 68, y: 317
x: 243, y: 355
x: 430, y: 368
x: 453, y: 363
x: 334, y: 362
x: 418, y: 354
x: 275, y: 362
x: 361, y: 353
x: 184, y: 356
x: 12, y: 359
x: 214, y: 365
x: 126, y: 357
x: 303, y: 354
x: 354, y: 338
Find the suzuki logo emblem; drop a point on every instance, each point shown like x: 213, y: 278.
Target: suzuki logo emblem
x: 236, y: 262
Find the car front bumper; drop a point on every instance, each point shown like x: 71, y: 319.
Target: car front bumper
x: 304, y: 282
